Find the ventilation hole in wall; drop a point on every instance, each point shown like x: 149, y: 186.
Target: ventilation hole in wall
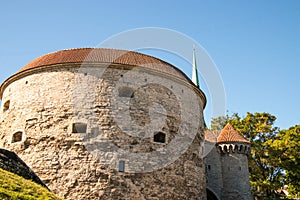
x: 125, y: 91
x: 121, y: 75
x: 146, y: 80
x: 171, y: 86
x: 85, y: 74
x: 6, y: 105
x: 182, y: 91
x: 240, y: 168
x: 79, y: 128
x: 17, y: 137
x: 208, y: 167
x: 159, y: 137
x: 121, y: 166
x: 26, y: 82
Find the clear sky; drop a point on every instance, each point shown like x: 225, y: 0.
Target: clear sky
x: 255, y: 44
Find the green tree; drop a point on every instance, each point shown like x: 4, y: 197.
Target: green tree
x: 218, y: 123
x: 287, y: 146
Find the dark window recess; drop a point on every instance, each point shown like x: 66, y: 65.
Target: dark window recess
x: 208, y: 167
x: 126, y: 92
x: 160, y: 137
x: 121, y: 166
x: 79, y: 128
x: 6, y: 105
x: 17, y: 137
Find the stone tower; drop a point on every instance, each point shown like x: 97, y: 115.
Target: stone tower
x: 106, y: 124
x: 234, y: 149
x: 227, y: 174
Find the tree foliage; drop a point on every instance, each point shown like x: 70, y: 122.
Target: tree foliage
x: 218, y: 123
x: 287, y: 147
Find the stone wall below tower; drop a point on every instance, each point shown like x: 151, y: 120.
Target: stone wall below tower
x: 235, y: 173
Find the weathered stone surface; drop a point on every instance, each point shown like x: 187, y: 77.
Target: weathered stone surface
x: 227, y: 169
x: 45, y: 104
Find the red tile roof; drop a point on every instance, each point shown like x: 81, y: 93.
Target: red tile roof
x: 229, y: 134
x: 211, y: 136
x: 114, y: 56
x: 100, y: 55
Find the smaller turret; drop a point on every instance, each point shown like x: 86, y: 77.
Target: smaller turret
x: 233, y: 149
x: 232, y: 141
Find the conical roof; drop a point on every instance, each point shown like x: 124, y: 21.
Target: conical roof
x: 229, y: 134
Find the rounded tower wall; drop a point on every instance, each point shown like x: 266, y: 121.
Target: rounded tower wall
x: 36, y: 102
x: 235, y: 172
x: 51, y: 107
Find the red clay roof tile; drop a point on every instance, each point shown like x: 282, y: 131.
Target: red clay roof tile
x: 86, y: 55
x: 229, y: 134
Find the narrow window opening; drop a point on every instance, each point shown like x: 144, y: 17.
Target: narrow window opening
x: 241, y: 148
x: 225, y: 148
x: 6, y: 105
x: 126, y: 92
x: 79, y: 128
x: 121, y: 166
x: 208, y: 167
x: 160, y: 137
x: 230, y: 149
x: 17, y: 137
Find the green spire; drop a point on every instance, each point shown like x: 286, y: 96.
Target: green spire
x: 195, y: 77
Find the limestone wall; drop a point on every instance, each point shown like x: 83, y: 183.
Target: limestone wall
x: 236, y: 183
x: 45, y: 107
x: 214, y: 172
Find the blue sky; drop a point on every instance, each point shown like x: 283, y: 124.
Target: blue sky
x: 255, y: 44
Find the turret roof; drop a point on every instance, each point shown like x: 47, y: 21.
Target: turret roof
x: 229, y: 134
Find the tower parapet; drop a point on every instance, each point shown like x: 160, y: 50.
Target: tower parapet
x: 242, y: 148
